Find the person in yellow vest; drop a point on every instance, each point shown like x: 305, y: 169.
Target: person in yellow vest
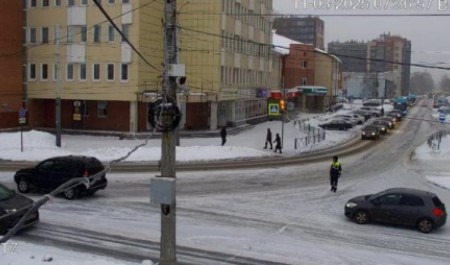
x: 335, y: 173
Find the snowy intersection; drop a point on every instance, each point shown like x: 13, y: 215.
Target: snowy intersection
x: 303, y: 224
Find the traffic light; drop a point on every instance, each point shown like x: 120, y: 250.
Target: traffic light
x: 282, y: 105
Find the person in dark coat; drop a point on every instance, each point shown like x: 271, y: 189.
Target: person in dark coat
x: 335, y: 173
x: 223, y: 135
x: 277, y: 143
x: 268, y: 139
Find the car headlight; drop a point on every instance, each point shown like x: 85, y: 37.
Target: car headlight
x: 373, y: 133
x: 10, y: 210
x: 363, y: 133
x: 383, y: 129
x: 351, y: 205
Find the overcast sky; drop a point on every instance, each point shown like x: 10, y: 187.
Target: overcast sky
x: 429, y: 35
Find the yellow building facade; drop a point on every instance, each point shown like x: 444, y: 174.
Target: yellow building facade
x: 73, y: 52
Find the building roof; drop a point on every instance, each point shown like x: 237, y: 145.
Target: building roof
x: 281, y: 43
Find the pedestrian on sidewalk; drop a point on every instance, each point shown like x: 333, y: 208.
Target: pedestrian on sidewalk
x: 223, y: 135
x: 268, y: 139
x: 335, y: 173
x: 277, y: 143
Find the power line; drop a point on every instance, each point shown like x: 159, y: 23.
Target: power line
x: 125, y: 38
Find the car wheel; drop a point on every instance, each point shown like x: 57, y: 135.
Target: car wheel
x: 425, y: 225
x: 361, y: 217
x: 23, y: 185
x: 360, y: 122
x: 69, y: 194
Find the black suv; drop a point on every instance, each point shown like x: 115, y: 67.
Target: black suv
x: 401, y: 206
x: 53, y: 172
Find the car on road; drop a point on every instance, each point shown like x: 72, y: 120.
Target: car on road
x: 386, y: 121
x: 336, y: 124
x: 370, y: 132
x: 400, y: 206
x: 53, y: 172
x: 396, y: 115
x: 13, y: 207
x: 380, y: 124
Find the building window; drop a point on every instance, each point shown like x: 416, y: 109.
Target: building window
x: 32, y: 72
x: 102, y: 109
x: 124, y: 72
x: 44, y: 72
x: 97, y: 33
x: 304, y: 64
x: 304, y: 81
x: 126, y: 31
x: 69, y: 71
x: 70, y: 2
x: 111, y: 2
x: 44, y: 34
x: 111, y: 33
x: 96, y: 72
x: 83, y: 72
x: 57, y: 2
x: 125, y: 1
x: 45, y: 3
x: 32, y: 35
x: 110, y: 72
x: 83, y: 2
x: 32, y: 3
x: 83, y: 34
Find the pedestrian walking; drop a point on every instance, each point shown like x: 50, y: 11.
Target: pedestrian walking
x: 335, y: 173
x: 268, y: 139
x: 277, y: 143
x: 223, y: 135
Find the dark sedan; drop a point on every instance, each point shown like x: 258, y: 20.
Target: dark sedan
x: 388, y: 122
x: 12, y: 207
x: 370, y: 132
x: 380, y: 124
x: 336, y: 124
x: 400, y: 206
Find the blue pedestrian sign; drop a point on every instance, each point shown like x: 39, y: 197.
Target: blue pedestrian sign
x: 442, y: 117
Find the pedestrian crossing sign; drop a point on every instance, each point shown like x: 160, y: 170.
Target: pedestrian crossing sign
x: 274, y: 109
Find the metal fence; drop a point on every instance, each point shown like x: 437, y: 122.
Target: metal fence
x: 314, y: 135
x: 434, y: 141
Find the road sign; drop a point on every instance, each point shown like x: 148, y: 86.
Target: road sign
x: 22, y: 113
x: 22, y: 120
x: 441, y: 117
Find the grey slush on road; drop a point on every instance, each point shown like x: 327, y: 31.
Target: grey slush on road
x: 399, y: 206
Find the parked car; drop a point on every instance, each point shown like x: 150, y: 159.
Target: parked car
x: 53, y: 172
x: 375, y: 102
x: 367, y: 115
x: 381, y: 125
x: 388, y: 122
x: 14, y: 206
x: 357, y: 118
x: 350, y: 119
x: 370, y: 132
x: 337, y: 124
x: 375, y: 112
x: 400, y: 206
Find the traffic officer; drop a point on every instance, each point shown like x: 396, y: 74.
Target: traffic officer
x: 335, y: 173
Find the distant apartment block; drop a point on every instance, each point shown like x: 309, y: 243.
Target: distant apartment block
x: 308, y: 30
x: 352, y: 53
x: 391, y: 53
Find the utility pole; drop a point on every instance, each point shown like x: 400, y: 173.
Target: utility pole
x: 58, y: 88
x: 168, y: 213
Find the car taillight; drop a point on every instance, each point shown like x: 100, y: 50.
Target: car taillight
x: 438, y: 212
x: 86, y: 173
